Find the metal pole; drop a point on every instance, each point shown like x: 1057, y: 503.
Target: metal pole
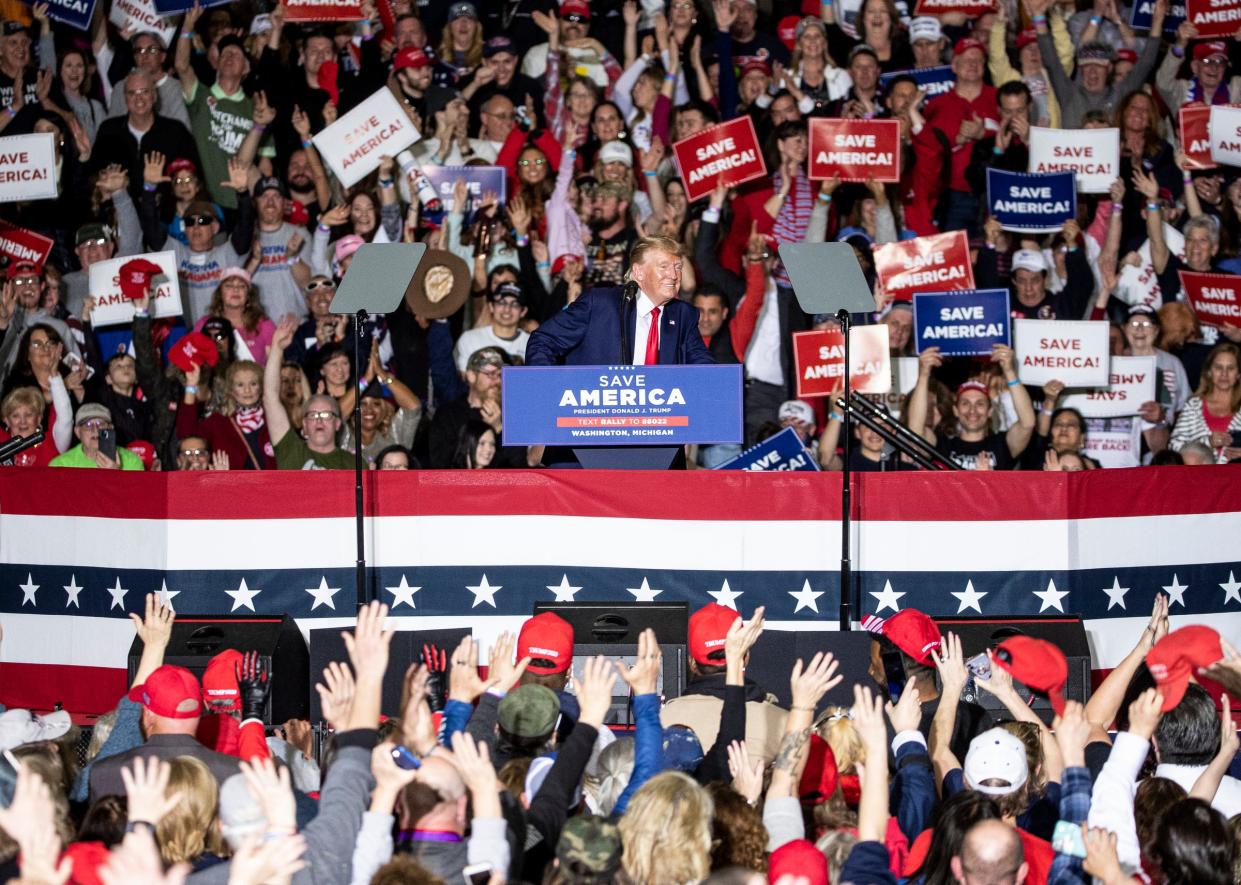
x: 360, y: 578
x: 846, y: 500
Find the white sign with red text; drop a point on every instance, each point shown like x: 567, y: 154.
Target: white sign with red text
x: 1131, y: 383
x: 375, y: 128
x: 28, y: 167
x: 140, y: 15
x: 1224, y: 130
x: 1093, y: 154
x: 1075, y: 352
x: 938, y: 263
x: 820, y: 360
x: 113, y: 307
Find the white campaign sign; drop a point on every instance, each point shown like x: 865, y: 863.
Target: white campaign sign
x: 140, y: 15
x: 1073, y: 351
x: 1132, y: 384
x: 1093, y: 154
x: 28, y: 167
x: 112, y: 307
x: 1224, y: 129
x: 904, y: 379
x: 353, y: 144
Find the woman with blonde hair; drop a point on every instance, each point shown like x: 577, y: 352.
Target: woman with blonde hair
x: 239, y: 426
x: 190, y: 832
x: 461, y: 46
x: 666, y: 831
x: 1213, y: 414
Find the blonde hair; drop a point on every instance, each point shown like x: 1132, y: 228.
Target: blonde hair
x: 30, y: 397
x: 667, y: 245
x: 473, y: 54
x: 190, y: 828
x: 615, y: 767
x: 229, y: 405
x: 837, y: 729
x: 666, y: 831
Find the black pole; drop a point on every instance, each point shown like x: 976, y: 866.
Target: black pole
x: 846, y: 499
x: 359, y: 323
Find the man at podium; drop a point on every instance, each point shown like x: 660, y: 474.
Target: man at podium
x: 658, y: 327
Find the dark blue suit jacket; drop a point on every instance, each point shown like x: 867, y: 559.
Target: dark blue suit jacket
x: 587, y: 333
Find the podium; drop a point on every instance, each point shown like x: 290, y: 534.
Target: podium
x: 622, y: 417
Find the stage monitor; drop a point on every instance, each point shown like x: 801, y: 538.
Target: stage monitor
x: 610, y: 623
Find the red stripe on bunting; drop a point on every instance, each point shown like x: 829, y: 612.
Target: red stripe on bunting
x: 689, y: 495
x: 81, y: 690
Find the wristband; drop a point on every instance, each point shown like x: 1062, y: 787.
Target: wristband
x: 1039, y: 19
x: 141, y: 313
x: 650, y: 173
x: 307, y: 143
x: 10, y: 112
x: 1094, y: 20
x: 523, y: 242
x: 543, y: 265
x: 670, y: 78
x: 834, y: 417
x: 1071, y: 249
x: 1187, y: 178
x: 385, y: 183
x: 1014, y: 382
x: 1178, y: 52
x: 362, y: 384
x: 711, y: 215
x: 323, y: 227
x: 997, y: 150
x: 191, y: 389
x: 148, y: 187
x: 134, y: 825
x: 1152, y: 207
x: 292, y: 261
x: 825, y: 197
x: 187, y: 35
x: 260, y: 127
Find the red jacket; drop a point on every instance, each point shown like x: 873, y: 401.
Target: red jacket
x: 948, y: 112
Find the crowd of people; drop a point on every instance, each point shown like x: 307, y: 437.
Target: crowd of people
x: 516, y: 771
x: 195, y: 136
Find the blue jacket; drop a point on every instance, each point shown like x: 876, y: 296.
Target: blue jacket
x: 587, y: 333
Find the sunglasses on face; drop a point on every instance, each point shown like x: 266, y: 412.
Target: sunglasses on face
x: 197, y: 220
x: 195, y: 453
x: 320, y: 416
x: 184, y: 179
x: 313, y: 285
x: 536, y: 161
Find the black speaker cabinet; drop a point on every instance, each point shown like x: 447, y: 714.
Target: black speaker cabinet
x: 772, y: 658
x: 619, y: 623
x: 196, y: 639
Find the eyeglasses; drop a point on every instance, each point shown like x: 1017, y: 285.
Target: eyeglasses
x: 500, y: 116
x: 195, y: 453
x: 197, y: 220
x: 141, y: 90
x: 218, y: 336
x: 43, y: 345
x: 319, y: 284
x: 576, y: 18
x: 150, y: 49
x: 97, y: 424
x: 493, y: 372
x: 505, y: 303
x: 185, y: 179
x: 537, y: 161
x: 321, y: 416
x: 1140, y: 324
x: 99, y: 242
x: 25, y: 281
x: 683, y: 4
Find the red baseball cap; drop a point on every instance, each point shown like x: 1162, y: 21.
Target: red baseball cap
x: 410, y: 57
x: 143, y: 450
x: 17, y: 268
x: 135, y: 277
x: 1176, y: 657
x: 193, y: 349
x: 575, y: 7
x: 914, y: 633
x: 756, y: 64
x: 707, y: 629
x: 820, y: 776
x: 965, y: 44
x: 171, y: 692
x: 220, y: 691
x: 1037, y: 664
x: 549, y: 637
x: 181, y: 164
x: 1211, y: 49
x: 1128, y: 55
x: 1026, y: 37
x: 786, y: 30
x: 799, y: 860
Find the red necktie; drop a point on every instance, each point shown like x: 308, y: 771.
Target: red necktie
x: 652, y: 339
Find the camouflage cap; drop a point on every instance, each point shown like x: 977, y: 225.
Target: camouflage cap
x: 529, y: 711
x: 589, y: 849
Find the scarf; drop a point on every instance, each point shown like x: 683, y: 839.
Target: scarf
x: 249, y: 418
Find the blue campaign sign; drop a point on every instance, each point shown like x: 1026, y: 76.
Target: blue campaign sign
x: 781, y: 451
x: 965, y: 323
x: 1032, y: 202
x: 75, y: 13
x: 933, y: 81
x: 1143, y: 11
x: 173, y: 7
x: 478, y: 180
x: 621, y: 405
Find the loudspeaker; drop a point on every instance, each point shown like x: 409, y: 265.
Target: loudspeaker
x: 1067, y: 633
x: 327, y: 645
x: 196, y: 639
x: 772, y: 658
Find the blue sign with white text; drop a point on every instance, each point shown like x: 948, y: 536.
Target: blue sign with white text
x: 966, y: 323
x: 780, y: 451
x: 172, y: 7
x: 933, y: 81
x: 1032, y: 202
x: 75, y: 13
x: 621, y: 405
x: 479, y: 180
x: 1143, y: 11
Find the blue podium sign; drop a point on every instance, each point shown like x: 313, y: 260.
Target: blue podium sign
x: 781, y: 451
x: 621, y: 405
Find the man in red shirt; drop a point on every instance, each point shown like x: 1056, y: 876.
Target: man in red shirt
x: 964, y: 115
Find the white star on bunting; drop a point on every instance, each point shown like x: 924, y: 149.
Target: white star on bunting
x: 29, y: 589
x: 1231, y: 588
x: 484, y: 592
x: 725, y: 596
x: 806, y: 598
x: 72, y: 589
x: 1115, y: 593
x: 887, y: 599
x: 644, y: 593
x: 1176, y: 592
x: 165, y: 595
x: 323, y: 594
x: 118, y: 595
x: 1051, y: 597
x: 969, y: 598
x: 564, y: 592
x: 402, y: 593
x: 243, y: 597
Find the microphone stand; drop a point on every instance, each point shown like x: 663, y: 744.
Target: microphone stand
x: 846, y: 491
x: 896, y: 434
x: 19, y: 444
x: 358, y: 336
x: 628, y: 291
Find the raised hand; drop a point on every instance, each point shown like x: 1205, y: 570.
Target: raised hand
x: 146, y: 787
x: 1145, y: 713
x: 500, y: 664
x: 816, y: 679
x: 643, y: 676
x: 254, y: 684
x: 264, y: 113
x: 1072, y: 730
x: 153, y: 168
x: 301, y: 123
x: 155, y: 627
x: 747, y: 773
x: 950, y: 662
x: 464, y: 683
x: 272, y: 789
x: 238, y: 174
x: 258, y: 862
x: 594, y: 690
x: 336, y: 694
x: 906, y: 713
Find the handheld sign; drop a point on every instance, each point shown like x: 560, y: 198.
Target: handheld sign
x: 622, y: 405
x: 1193, y: 127
x: 819, y: 358
x: 1215, y: 297
x: 74, y: 13
x: 112, y: 306
x: 968, y: 8
x: 174, y: 7
x: 855, y: 149
x: 478, y: 181
x: 932, y: 81
x: 27, y: 167
x: 961, y: 323
x: 1073, y: 351
x: 725, y: 154
x: 1224, y: 129
x: 19, y: 244
x: 1214, y: 18
x: 323, y: 11
x: 1094, y: 154
x: 1131, y: 384
x: 353, y: 144
x: 140, y: 15
x: 938, y: 263
x: 1031, y: 203
x: 780, y: 451
x: 1142, y: 16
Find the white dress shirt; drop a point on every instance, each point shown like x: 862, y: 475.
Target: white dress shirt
x: 642, y: 328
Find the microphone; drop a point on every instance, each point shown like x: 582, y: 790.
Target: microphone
x: 629, y: 292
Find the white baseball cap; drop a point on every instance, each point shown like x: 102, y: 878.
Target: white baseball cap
x: 616, y: 152
x: 998, y: 757
x: 925, y: 28
x: 1029, y: 259
x: 19, y: 727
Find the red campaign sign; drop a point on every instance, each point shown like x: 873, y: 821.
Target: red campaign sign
x: 1215, y: 297
x: 820, y: 360
x: 938, y: 263
x: 855, y: 149
x: 1214, y: 18
x: 323, y: 11
x: 19, y: 244
x: 1195, y: 139
x: 969, y: 8
x: 726, y: 153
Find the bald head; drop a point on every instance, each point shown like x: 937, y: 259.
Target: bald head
x: 436, y: 800
x: 991, y: 854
